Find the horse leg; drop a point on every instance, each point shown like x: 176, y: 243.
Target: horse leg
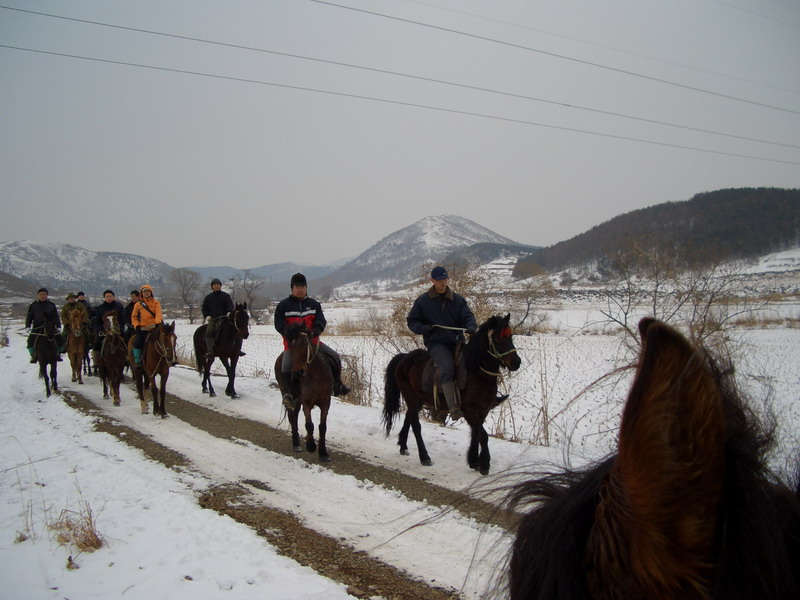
x: 402, y: 437
x: 43, y: 375
x: 230, y: 369
x: 482, y: 460
x: 139, y: 377
x: 164, y: 378
x: 207, y: 378
x: 294, y: 414
x: 311, y: 445
x: 104, y: 379
x: 54, y: 376
x: 323, y: 430
x: 416, y: 427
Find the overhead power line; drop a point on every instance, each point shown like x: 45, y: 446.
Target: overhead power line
x: 400, y: 103
x: 411, y: 76
x: 561, y: 56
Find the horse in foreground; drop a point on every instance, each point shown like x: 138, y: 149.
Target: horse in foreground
x: 76, y: 344
x: 158, y: 355
x: 685, y: 509
x: 113, y: 355
x: 411, y: 375
x: 311, y: 385
x: 231, y: 331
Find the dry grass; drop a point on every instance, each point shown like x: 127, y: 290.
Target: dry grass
x: 77, y: 529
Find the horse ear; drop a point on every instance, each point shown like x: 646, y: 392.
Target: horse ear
x: 657, y: 516
x: 244, y: 306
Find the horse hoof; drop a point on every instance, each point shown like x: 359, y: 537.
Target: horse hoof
x: 297, y: 448
x: 404, y: 451
x: 426, y: 462
x: 106, y: 397
x: 234, y: 396
x: 166, y: 416
x: 325, y: 458
x: 80, y: 381
x: 484, y: 470
x: 205, y: 391
x: 227, y: 393
x: 116, y: 402
x: 212, y: 394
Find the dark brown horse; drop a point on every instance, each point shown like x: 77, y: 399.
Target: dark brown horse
x: 76, y: 344
x: 113, y: 356
x: 311, y: 385
x: 488, y: 350
x: 46, y: 352
x: 231, y: 330
x: 686, y: 508
x: 158, y: 355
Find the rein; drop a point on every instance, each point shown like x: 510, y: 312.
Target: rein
x: 161, y: 348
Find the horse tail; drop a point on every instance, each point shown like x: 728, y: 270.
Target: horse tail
x: 391, y: 394
x: 199, y: 355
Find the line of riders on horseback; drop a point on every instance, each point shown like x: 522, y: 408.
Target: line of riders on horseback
x: 440, y: 315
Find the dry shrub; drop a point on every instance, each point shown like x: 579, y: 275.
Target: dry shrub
x: 77, y: 529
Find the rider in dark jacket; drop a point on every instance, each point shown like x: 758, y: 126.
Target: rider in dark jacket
x: 129, y: 328
x: 216, y: 306
x: 108, y: 305
x: 301, y: 308
x: 43, y: 319
x: 441, y: 316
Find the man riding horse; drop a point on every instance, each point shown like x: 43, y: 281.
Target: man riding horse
x: 216, y: 306
x: 109, y: 305
x: 43, y: 319
x: 441, y: 316
x: 299, y: 307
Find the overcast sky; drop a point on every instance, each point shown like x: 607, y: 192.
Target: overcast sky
x: 306, y: 131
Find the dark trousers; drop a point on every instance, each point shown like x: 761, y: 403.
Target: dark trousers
x: 443, y: 358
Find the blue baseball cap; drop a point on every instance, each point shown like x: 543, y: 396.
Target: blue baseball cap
x: 439, y: 273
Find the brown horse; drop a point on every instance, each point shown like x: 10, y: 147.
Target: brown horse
x: 76, y: 344
x: 113, y: 355
x: 487, y: 351
x: 231, y: 330
x: 46, y: 352
x: 311, y: 385
x: 686, y: 508
x: 158, y: 355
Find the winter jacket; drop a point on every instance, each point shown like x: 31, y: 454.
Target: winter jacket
x: 217, y: 304
x: 294, y: 310
x: 146, y: 317
x: 69, y: 307
x: 43, y: 317
x: 448, y: 309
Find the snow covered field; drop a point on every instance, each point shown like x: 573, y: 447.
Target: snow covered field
x: 161, y: 544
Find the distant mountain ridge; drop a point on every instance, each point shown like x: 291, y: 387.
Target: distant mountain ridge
x: 726, y: 224
x: 67, y: 266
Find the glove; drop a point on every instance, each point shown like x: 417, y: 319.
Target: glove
x: 471, y: 329
x: 208, y: 319
x: 316, y: 331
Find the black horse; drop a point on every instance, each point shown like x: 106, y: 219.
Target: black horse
x: 46, y: 352
x: 686, y: 508
x: 231, y: 330
x: 411, y: 375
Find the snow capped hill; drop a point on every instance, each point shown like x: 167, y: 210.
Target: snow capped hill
x: 400, y: 255
x: 64, y: 265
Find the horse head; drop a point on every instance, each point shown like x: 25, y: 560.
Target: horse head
x: 76, y: 320
x: 500, y: 339
x: 241, y: 319
x: 687, y: 508
x: 167, y: 341
x: 298, y: 338
x: 110, y: 324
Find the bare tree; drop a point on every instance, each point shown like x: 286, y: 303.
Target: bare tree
x: 250, y: 286
x: 188, y: 284
x: 533, y: 290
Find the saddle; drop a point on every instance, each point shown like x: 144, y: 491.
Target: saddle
x: 432, y: 377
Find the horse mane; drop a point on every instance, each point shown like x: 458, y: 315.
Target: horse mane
x: 686, y: 508
x: 478, y: 345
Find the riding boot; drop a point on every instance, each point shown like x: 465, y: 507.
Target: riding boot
x: 288, y: 399
x: 137, y: 356
x: 209, y: 348
x: 449, y: 389
x: 32, y: 352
